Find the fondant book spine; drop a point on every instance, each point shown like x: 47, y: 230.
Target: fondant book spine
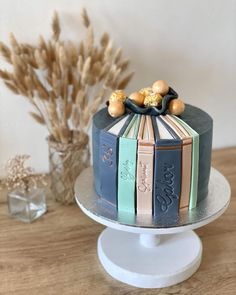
x: 96, y: 131
x: 108, y: 164
x: 108, y: 155
x: 195, y: 163
x: 186, y: 173
x: 145, y: 178
x: 167, y: 175
x: 186, y: 162
x: 126, y: 177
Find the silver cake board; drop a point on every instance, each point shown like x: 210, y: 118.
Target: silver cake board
x: 148, y: 252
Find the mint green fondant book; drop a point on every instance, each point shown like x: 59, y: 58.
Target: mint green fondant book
x: 127, y: 166
x: 195, y: 162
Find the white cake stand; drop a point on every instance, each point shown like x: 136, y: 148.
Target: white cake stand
x: 146, y: 252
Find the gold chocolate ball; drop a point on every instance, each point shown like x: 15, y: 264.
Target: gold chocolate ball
x: 116, y: 109
x: 117, y: 95
x: 146, y: 91
x: 153, y: 100
x: 137, y: 97
x: 160, y: 87
x: 176, y: 106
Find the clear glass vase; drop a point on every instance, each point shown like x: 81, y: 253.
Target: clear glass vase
x: 27, y: 206
x: 66, y: 162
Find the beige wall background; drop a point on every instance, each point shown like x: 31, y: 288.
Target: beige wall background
x: 189, y: 43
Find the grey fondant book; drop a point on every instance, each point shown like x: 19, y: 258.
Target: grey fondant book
x: 103, y: 120
x: 167, y: 170
x: 108, y: 158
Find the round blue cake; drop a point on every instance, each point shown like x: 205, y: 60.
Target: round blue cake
x: 156, y: 165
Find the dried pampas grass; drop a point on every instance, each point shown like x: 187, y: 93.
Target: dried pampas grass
x: 65, y: 82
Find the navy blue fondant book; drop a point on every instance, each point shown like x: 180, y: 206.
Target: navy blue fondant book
x: 108, y: 158
x: 104, y: 120
x: 167, y: 170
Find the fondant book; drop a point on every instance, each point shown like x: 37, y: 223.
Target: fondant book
x: 195, y: 163
x: 127, y: 166
x: 97, y: 129
x: 108, y: 158
x: 145, y: 166
x: 186, y: 159
x: 167, y: 170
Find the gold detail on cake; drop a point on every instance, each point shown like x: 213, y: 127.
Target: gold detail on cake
x: 116, y: 109
x: 146, y: 91
x: 147, y: 97
x: 153, y: 100
x: 117, y: 95
x: 137, y: 97
x: 176, y: 107
x: 160, y: 87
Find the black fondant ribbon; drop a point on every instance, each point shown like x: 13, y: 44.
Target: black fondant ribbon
x: 153, y: 111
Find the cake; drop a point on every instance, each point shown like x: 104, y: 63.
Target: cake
x: 151, y: 152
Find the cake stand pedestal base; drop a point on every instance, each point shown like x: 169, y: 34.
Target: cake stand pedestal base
x: 145, y: 251
x: 149, y: 261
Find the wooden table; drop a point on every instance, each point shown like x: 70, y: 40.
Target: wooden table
x: 57, y: 254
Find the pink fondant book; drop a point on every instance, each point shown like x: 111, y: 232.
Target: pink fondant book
x: 145, y: 166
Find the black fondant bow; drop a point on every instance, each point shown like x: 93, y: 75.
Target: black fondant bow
x: 153, y: 111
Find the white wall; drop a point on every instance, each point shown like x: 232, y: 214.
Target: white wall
x: 189, y: 43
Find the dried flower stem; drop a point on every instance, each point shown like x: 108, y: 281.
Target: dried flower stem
x: 65, y: 82
x: 21, y: 177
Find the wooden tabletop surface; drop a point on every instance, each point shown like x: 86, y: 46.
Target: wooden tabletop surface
x: 57, y: 254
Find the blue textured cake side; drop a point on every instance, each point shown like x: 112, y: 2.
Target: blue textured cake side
x: 202, y: 123
x: 199, y: 120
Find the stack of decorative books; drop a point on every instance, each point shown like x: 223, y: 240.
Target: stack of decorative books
x: 149, y: 165
x: 150, y: 161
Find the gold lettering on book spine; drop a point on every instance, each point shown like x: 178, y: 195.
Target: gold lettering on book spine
x: 107, y: 155
x: 144, y: 185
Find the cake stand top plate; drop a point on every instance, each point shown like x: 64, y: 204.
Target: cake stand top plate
x: 206, y: 211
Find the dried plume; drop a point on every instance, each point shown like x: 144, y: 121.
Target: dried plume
x: 65, y: 82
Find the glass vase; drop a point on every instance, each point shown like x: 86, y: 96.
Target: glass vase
x: 27, y: 206
x: 66, y: 162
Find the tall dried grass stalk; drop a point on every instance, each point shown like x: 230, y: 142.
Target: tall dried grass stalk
x: 65, y: 82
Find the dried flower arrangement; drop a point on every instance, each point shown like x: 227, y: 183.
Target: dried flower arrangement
x: 21, y: 177
x: 65, y: 82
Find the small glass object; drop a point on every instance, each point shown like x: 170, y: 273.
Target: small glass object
x: 27, y: 206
